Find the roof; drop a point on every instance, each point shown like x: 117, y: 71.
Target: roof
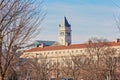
x: 39, y: 42
x: 47, y: 43
x: 63, y: 47
x: 65, y: 22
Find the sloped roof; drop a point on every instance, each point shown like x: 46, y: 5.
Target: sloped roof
x: 65, y: 22
x: 63, y: 47
x: 39, y: 42
x: 47, y: 43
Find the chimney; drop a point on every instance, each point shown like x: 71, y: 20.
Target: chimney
x: 118, y: 40
x: 42, y: 45
x: 67, y: 44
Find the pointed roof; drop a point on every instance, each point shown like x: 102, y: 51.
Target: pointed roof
x: 65, y: 22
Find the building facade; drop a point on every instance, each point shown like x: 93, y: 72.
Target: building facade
x: 55, y: 53
x: 64, y: 49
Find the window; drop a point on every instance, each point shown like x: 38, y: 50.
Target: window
x: 68, y: 33
x: 51, y: 52
x: 37, y: 54
x: 72, y: 51
x: 67, y: 51
x: 61, y: 33
x: 59, y: 52
x: 45, y: 53
x: 80, y: 50
x: 76, y: 50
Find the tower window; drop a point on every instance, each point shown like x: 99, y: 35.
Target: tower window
x: 61, y: 33
x: 68, y: 33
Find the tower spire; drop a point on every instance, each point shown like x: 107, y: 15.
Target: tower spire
x: 64, y: 34
x: 65, y: 22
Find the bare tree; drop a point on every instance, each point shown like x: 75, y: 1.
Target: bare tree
x: 103, y: 59
x: 100, y: 61
x: 71, y: 68
x: 56, y: 71
x: 37, y: 68
x: 19, y: 20
x: 111, y: 61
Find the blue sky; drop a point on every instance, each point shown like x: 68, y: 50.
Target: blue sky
x: 88, y: 18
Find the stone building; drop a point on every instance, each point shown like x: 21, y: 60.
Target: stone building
x: 64, y: 48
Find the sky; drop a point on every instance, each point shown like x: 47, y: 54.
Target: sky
x: 88, y: 18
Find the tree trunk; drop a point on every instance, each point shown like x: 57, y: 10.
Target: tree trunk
x: 1, y: 70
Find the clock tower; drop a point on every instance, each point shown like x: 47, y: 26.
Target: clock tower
x: 64, y: 34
